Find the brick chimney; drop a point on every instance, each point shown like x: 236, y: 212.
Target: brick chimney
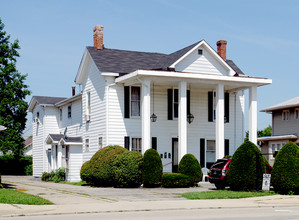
x: 98, y: 37
x: 221, y: 48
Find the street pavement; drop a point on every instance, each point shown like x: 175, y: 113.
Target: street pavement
x: 84, y: 200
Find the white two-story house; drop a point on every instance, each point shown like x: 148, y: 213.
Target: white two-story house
x: 189, y: 101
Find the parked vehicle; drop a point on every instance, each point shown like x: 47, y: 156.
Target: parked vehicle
x: 219, y: 169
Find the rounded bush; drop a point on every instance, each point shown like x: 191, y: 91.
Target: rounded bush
x: 127, y: 169
x: 242, y: 174
x: 285, y: 174
x: 152, y: 168
x: 175, y: 180
x: 189, y: 166
x: 101, y: 165
x: 85, y: 172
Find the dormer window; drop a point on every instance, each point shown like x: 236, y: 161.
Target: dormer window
x: 285, y: 115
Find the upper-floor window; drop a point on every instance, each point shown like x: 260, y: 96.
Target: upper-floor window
x: 131, y: 101
x: 296, y: 113
x: 285, y: 115
x: 88, y: 104
x: 60, y: 114
x: 69, y: 111
x: 173, y: 103
x: 212, y: 101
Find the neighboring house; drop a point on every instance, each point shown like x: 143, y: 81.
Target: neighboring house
x: 194, y: 95
x: 27, y: 152
x: 285, y: 127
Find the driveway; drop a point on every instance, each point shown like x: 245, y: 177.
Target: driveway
x: 71, y: 199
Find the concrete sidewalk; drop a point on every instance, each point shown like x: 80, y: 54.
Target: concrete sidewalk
x: 71, y: 199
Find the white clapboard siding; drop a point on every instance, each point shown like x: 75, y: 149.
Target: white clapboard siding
x: 75, y: 163
x: 204, y: 63
x: 95, y: 128
x: 38, y: 142
x: 285, y: 127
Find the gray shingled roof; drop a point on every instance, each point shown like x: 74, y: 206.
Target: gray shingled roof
x: 46, y: 100
x: 124, y: 61
x: 58, y: 137
x: 291, y: 103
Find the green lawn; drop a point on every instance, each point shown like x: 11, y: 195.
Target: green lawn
x: 225, y: 194
x: 81, y: 183
x: 11, y: 196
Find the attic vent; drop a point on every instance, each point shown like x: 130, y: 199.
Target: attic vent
x: 199, y: 51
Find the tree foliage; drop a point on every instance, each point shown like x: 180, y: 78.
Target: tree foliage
x: 13, y: 92
x: 261, y: 133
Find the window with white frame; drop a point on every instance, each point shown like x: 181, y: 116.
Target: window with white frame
x: 135, y: 101
x: 69, y: 111
x: 285, y: 115
x: 296, y: 113
x: 88, y: 103
x: 100, y: 142
x: 136, y: 144
x: 273, y: 148
x: 87, y: 145
x: 211, y: 151
x: 278, y: 147
x: 60, y: 114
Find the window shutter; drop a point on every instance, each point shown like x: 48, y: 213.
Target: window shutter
x: 154, y: 143
x: 226, y: 106
x: 202, y: 153
x: 188, y: 102
x: 169, y: 101
x: 226, y: 147
x: 127, y: 142
x: 127, y: 101
x: 210, y: 106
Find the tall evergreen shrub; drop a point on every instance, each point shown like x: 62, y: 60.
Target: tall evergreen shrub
x: 190, y: 166
x: 152, y: 168
x: 247, y: 163
x: 285, y: 174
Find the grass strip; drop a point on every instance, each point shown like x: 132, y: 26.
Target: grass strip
x: 81, y: 183
x: 225, y: 194
x: 11, y: 196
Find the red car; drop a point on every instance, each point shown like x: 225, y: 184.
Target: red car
x: 219, y: 169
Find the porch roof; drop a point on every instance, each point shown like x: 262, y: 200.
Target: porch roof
x: 278, y: 137
x: 60, y: 138
x: 231, y: 82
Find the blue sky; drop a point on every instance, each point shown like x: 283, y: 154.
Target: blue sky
x: 263, y: 37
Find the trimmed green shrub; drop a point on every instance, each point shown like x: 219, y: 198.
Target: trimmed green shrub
x: 57, y: 176
x: 127, y: 169
x: 152, y: 168
x: 28, y: 170
x: 285, y: 174
x: 175, y: 180
x: 48, y: 176
x: 85, y: 172
x: 101, y: 165
x: 10, y: 165
x: 242, y: 174
x: 189, y: 166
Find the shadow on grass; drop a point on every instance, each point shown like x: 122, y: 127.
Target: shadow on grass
x: 8, y: 186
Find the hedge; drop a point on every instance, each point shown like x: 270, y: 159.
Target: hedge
x: 9, y: 165
x: 175, y: 180
x: 189, y: 166
x: 127, y: 169
x: 242, y: 174
x: 57, y: 176
x: 285, y: 174
x: 152, y: 168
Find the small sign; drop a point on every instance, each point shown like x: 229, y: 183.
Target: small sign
x: 266, y: 182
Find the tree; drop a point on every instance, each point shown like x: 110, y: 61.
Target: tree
x: 13, y: 91
x: 261, y: 133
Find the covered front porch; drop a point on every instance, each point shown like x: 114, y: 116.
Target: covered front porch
x: 189, y: 84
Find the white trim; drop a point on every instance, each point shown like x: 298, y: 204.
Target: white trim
x: 109, y: 74
x: 279, y: 137
x: 182, y: 120
x: 191, y: 76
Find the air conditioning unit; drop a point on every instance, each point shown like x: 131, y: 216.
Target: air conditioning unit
x: 87, y: 117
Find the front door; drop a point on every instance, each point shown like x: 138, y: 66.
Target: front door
x: 175, y: 155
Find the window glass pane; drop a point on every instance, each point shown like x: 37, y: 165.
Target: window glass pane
x: 136, y: 144
x: 278, y: 147
x: 273, y: 147
x: 211, y: 145
x: 135, y: 101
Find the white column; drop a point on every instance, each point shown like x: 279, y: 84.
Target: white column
x: 253, y: 114
x: 219, y: 121
x: 59, y: 157
x: 182, y: 123
x: 145, y: 117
